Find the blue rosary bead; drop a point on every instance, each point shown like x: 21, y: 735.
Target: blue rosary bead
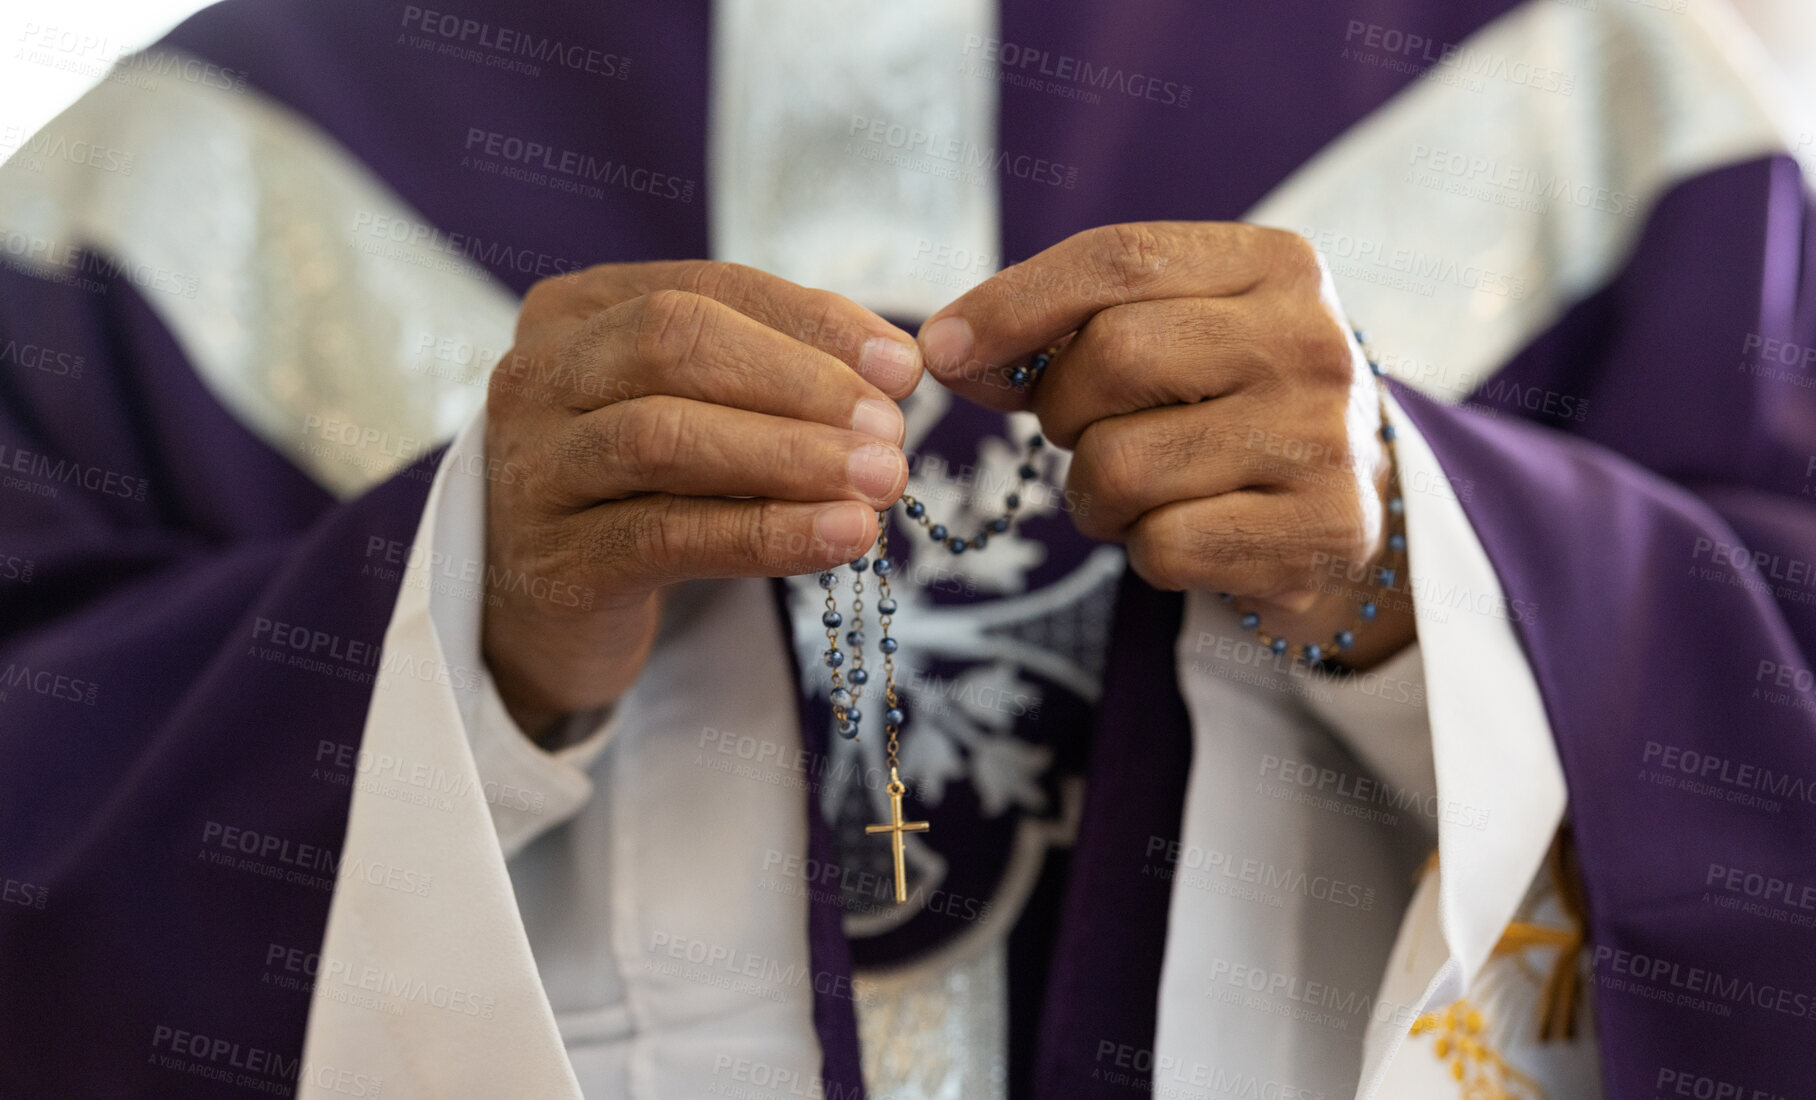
x: 1039, y: 361
x: 854, y: 716
x: 1012, y: 501
x: 1018, y: 377
x: 1028, y: 472
x: 999, y: 524
x: 1387, y: 578
x: 1313, y: 655
x: 955, y: 544
x: 937, y: 532
x: 884, y: 567
x: 888, y: 644
x: 895, y: 717
x: 848, y: 730
x: 829, y: 579
x: 979, y: 541
x: 854, y: 639
x: 1035, y: 441
x: 1368, y: 612
x: 885, y: 607
x: 1250, y: 621
x: 1278, y: 645
x: 860, y: 565
x: 858, y: 676
x: 834, y: 659
x: 1397, y: 506
x: 831, y: 620
x: 840, y: 697
x: 916, y: 509
x: 1344, y: 639
x: 1396, y: 541
x: 1387, y: 433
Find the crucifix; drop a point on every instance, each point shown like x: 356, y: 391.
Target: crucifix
x: 896, y: 828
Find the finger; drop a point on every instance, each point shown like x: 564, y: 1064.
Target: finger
x: 1147, y: 354
x: 687, y: 345
x: 969, y: 343
x: 1125, y: 466
x: 664, y: 444
x: 662, y: 539
x: 885, y: 355
x: 1260, y: 543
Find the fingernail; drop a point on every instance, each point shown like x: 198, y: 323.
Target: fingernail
x: 878, y: 418
x: 948, y: 342
x: 888, y: 364
x: 842, y: 526
x: 875, y: 469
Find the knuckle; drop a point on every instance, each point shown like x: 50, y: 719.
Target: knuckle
x: 607, y: 545
x: 652, y: 439
x: 825, y: 324
x: 546, y: 300
x: 762, y: 537
x: 670, y: 537
x: 1323, y: 350
x: 1162, y: 547
x: 1111, y: 462
x: 1294, y: 257
x: 714, y: 278
x: 1136, y: 253
x: 1119, y: 339
x: 670, y: 325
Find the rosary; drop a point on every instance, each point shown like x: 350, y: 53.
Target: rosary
x: 848, y: 684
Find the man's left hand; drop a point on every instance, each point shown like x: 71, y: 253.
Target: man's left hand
x: 1224, y: 423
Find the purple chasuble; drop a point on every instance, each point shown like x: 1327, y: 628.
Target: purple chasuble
x: 198, y: 631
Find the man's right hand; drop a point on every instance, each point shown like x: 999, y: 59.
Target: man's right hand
x: 665, y: 422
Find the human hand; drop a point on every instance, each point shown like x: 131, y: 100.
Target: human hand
x: 665, y: 422
x: 1224, y: 424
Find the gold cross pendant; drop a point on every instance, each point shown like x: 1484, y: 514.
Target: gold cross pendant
x: 896, y: 828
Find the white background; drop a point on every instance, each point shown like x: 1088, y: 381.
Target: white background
x: 79, y: 39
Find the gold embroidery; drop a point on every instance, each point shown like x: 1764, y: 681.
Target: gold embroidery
x: 1458, y: 1030
x: 1475, y: 1065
